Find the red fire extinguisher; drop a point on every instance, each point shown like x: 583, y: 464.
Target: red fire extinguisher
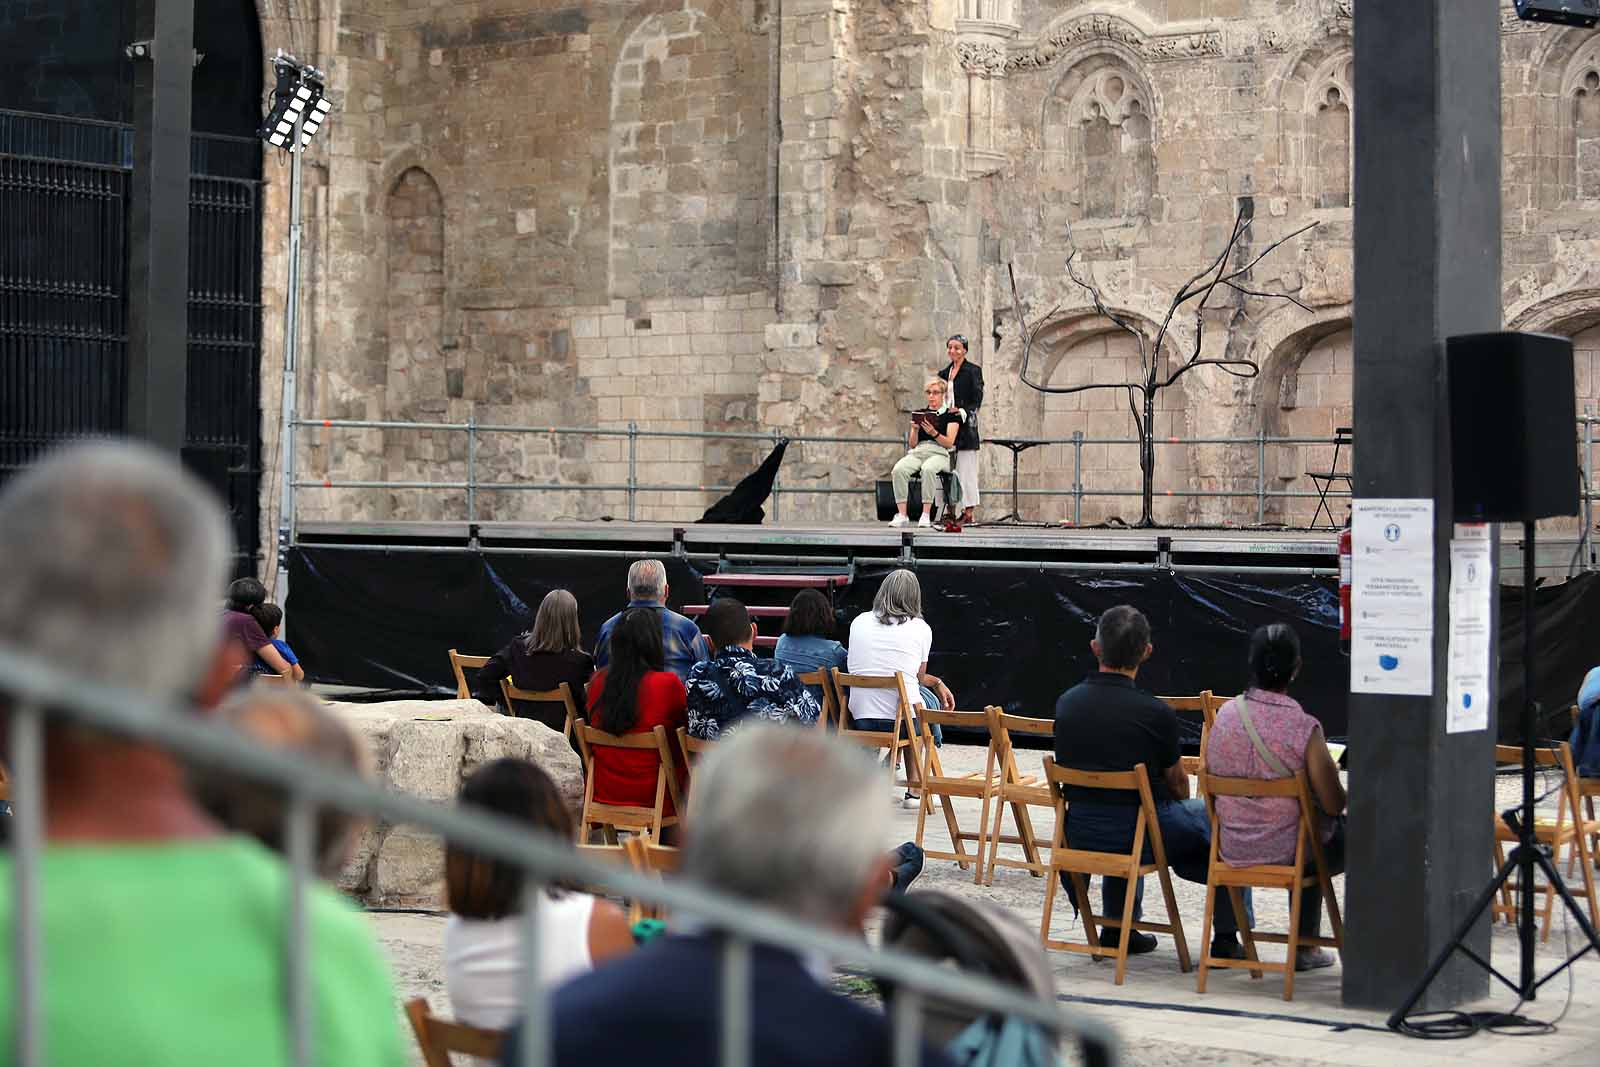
x: 1344, y: 590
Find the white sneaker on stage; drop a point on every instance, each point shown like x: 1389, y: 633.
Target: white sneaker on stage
x: 898, y: 520
x: 924, y: 523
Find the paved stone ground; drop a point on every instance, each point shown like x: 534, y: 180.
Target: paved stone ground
x: 1157, y: 1011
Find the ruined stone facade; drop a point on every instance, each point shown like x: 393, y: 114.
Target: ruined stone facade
x: 764, y: 216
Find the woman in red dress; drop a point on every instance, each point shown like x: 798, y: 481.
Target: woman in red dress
x: 634, y: 695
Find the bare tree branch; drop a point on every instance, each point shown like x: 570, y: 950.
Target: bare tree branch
x: 1242, y: 291
x: 1030, y: 333
x: 1152, y: 351
x: 1100, y: 306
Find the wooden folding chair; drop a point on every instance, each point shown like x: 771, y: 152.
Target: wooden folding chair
x: 438, y: 1038
x: 1310, y: 868
x: 613, y: 817
x: 1588, y: 789
x: 1207, y: 704
x: 901, y: 738
x: 1017, y: 790
x: 1556, y: 834
x: 830, y: 705
x: 459, y: 665
x: 648, y: 856
x: 693, y: 748
x: 935, y: 783
x: 561, y: 695
x: 1080, y: 864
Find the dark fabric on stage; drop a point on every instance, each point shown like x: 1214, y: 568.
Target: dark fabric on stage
x: 742, y: 505
x: 1013, y: 636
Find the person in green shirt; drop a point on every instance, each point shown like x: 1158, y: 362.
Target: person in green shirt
x: 163, y: 939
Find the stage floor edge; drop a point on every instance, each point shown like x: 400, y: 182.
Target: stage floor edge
x: 792, y: 544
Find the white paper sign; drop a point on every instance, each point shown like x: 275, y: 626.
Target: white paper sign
x: 1471, y: 598
x: 1391, y: 596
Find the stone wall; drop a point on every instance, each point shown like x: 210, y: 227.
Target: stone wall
x: 739, y: 216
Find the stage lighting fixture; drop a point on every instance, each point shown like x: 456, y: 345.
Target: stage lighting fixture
x: 1583, y: 13
x: 300, y: 97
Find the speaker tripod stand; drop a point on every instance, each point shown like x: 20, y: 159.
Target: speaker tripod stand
x: 1525, y: 858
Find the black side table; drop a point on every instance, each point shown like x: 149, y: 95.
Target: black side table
x: 1018, y: 446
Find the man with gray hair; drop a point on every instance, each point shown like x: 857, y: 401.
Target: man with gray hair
x: 681, y: 640
x: 114, y: 558
x: 787, y: 819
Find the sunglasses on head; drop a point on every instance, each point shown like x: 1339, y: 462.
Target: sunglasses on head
x: 963, y: 340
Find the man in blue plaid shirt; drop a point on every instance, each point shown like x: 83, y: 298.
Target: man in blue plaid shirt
x: 681, y: 639
x: 736, y: 684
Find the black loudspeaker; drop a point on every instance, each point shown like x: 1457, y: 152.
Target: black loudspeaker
x: 1563, y: 12
x: 1513, y: 426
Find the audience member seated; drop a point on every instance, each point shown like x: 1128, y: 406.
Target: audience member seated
x: 807, y: 643
x: 270, y: 616
x: 1106, y: 723
x: 295, y: 721
x: 163, y: 937
x: 682, y: 644
x: 736, y: 684
x: 483, y: 958
x: 240, y: 625
x: 634, y: 695
x: 1265, y: 733
x: 789, y: 820
x: 893, y: 637
x: 541, y: 660
x: 1585, y: 739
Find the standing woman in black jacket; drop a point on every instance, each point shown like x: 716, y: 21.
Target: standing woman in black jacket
x: 966, y: 396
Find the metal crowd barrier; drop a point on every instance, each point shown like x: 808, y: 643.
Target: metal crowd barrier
x: 39, y: 692
x: 632, y: 487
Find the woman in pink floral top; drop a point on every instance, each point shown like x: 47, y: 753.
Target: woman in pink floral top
x: 1263, y: 830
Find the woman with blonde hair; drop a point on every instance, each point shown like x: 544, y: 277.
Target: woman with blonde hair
x: 540, y: 660
x: 930, y: 439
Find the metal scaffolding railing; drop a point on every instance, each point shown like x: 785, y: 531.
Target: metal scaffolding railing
x: 472, y: 486
x: 38, y: 692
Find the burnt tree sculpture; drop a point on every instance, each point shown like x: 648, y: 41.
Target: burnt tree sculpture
x: 1160, y: 372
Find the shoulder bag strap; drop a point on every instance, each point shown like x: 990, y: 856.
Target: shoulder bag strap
x: 1269, y: 757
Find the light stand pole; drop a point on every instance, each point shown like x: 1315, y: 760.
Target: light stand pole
x: 299, y: 107
x: 291, y: 332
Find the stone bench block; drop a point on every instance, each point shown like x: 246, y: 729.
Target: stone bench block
x: 427, y: 749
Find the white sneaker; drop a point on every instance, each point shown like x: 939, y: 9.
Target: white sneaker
x: 898, y: 520
x: 923, y: 523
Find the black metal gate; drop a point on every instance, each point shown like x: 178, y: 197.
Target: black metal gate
x: 64, y: 189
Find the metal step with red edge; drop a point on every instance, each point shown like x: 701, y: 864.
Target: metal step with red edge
x: 734, y: 579
x: 754, y: 583
x: 696, y: 610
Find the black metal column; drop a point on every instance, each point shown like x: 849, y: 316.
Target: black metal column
x: 1427, y: 265
x: 158, y: 266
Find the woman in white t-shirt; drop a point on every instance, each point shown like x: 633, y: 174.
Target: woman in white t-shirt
x: 892, y: 637
x: 482, y: 939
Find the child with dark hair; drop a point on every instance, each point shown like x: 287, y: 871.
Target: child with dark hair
x: 1264, y: 733
x: 270, y: 616
x: 483, y: 957
x: 241, y: 625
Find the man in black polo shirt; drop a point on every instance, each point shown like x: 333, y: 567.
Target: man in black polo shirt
x: 1105, y: 723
